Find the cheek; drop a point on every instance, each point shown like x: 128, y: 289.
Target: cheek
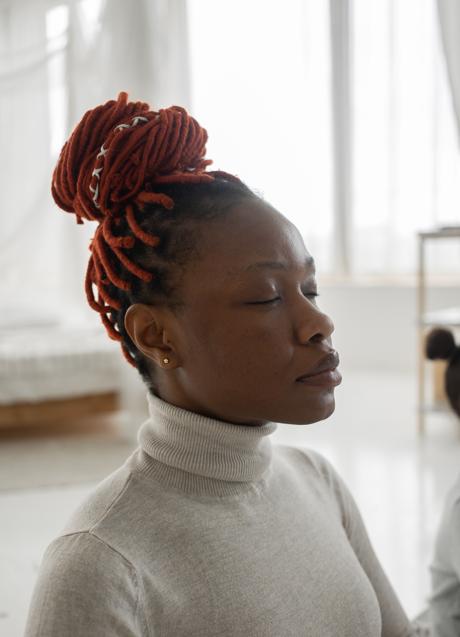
x: 250, y: 351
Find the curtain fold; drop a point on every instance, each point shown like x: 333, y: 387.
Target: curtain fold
x: 24, y: 140
x: 139, y: 47
x: 449, y: 22
x: 58, y: 59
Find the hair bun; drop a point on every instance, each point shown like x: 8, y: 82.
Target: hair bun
x: 439, y: 343
x: 120, y: 150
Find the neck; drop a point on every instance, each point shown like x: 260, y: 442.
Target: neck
x: 180, y: 400
x: 203, y: 454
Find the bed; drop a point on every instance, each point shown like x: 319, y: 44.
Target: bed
x: 52, y: 371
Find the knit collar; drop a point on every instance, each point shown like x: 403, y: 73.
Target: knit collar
x: 196, y: 453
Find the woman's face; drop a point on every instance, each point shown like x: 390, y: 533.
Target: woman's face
x: 250, y: 325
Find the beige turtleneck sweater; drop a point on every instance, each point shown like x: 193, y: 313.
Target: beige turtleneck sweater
x: 210, y: 530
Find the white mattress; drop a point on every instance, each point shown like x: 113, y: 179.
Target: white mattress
x: 57, y: 361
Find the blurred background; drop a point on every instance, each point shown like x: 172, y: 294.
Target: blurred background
x: 343, y: 114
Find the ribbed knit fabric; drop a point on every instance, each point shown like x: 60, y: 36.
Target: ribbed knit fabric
x: 445, y: 569
x: 210, y: 530
x: 197, y: 454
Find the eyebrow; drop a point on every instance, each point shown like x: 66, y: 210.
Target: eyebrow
x: 277, y: 265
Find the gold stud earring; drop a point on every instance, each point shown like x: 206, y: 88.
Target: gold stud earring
x: 165, y: 361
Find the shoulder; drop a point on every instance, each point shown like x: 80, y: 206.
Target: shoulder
x: 116, y: 512
x: 449, y: 524
x: 82, y: 582
x: 453, y: 497
x: 113, y: 493
x: 318, y: 473
x: 450, y: 520
x: 83, y: 553
x: 312, y: 462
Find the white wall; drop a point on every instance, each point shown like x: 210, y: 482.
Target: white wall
x: 375, y: 326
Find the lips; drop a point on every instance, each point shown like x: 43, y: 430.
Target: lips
x: 326, y: 364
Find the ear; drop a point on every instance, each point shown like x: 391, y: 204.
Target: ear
x: 148, y: 327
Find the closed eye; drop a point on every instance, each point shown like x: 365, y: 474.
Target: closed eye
x: 278, y: 298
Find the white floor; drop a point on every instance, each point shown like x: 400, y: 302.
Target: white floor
x: 399, y: 482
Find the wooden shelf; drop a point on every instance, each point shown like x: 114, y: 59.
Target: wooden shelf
x: 51, y: 411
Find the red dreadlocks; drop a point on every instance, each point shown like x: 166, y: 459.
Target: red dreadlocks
x: 117, y: 155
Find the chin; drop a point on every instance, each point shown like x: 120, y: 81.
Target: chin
x: 312, y: 414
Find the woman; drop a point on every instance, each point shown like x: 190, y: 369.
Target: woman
x: 444, y: 602
x: 208, y: 528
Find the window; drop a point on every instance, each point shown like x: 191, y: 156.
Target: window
x: 262, y: 85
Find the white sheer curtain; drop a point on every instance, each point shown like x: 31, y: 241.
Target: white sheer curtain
x: 406, y: 162
x: 261, y: 82
x: 27, y: 232
x: 261, y: 86
x: 449, y: 19
x: 57, y: 59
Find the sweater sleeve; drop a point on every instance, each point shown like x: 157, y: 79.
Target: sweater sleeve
x: 84, y: 588
x: 445, y: 572
x: 395, y: 622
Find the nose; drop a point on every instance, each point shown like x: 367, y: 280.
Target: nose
x: 314, y: 325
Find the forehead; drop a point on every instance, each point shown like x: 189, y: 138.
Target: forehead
x: 251, y: 233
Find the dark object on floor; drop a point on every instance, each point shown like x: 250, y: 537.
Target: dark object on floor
x: 440, y: 343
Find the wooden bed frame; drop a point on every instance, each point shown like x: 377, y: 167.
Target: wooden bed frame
x: 51, y: 411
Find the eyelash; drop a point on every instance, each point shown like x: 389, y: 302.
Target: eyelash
x: 313, y: 294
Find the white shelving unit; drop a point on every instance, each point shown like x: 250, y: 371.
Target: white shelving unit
x: 448, y: 317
